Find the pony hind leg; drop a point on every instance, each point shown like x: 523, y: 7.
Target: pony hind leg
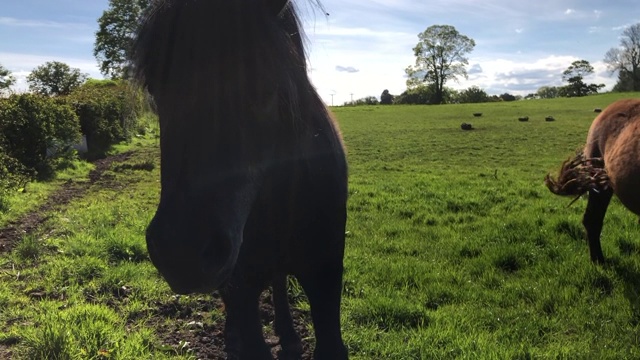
x: 593, y: 219
x: 289, y: 339
x: 244, y: 339
x: 323, y: 286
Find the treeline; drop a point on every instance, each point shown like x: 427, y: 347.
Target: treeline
x: 429, y: 93
x: 424, y: 94
x: 39, y: 133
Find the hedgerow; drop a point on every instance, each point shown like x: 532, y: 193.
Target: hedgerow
x: 108, y: 112
x: 36, y: 132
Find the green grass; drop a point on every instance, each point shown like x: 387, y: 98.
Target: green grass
x: 82, y: 287
x: 455, y: 248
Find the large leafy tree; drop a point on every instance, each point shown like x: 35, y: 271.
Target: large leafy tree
x: 55, y: 78
x: 625, y: 60
x: 6, y: 79
x: 440, y: 56
x: 114, y: 38
x: 574, y: 75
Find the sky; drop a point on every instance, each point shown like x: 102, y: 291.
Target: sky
x: 363, y: 46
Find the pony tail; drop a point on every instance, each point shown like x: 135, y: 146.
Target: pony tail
x: 578, y: 175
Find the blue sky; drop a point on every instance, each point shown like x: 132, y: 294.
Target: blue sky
x: 363, y: 46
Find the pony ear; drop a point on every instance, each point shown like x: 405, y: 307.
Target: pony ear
x: 276, y: 6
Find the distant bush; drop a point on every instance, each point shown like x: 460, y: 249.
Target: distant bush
x: 386, y: 98
x: 413, y: 96
x: 473, y: 94
x: 108, y: 112
x: 369, y: 100
x: 424, y: 94
x: 507, y: 97
x: 35, y: 131
x: 101, y: 83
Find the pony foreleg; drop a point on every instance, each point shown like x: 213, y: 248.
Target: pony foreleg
x: 593, y: 220
x: 289, y: 339
x: 323, y: 286
x: 243, y: 331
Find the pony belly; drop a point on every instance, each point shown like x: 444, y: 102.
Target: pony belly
x: 627, y: 189
x: 622, y: 163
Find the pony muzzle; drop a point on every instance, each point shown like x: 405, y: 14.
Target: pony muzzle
x: 187, y: 267
x: 219, y: 258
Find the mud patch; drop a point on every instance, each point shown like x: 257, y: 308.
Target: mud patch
x: 191, y: 329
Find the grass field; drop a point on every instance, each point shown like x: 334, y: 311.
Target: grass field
x: 455, y: 248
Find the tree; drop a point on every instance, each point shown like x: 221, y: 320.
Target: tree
x: 473, y: 94
x: 440, y: 56
x: 574, y: 75
x: 507, y: 97
x: 422, y: 95
x: 548, y: 92
x: 6, y: 79
x: 386, y: 98
x: 369, y: 100
x: 418, y: 95
x: 55, y: 78
x: 625, y: 82
x: 625, y: 60
x: 114, y: 39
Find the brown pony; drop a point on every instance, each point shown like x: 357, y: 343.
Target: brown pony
x: 253, y: 171
x: 609, y: 164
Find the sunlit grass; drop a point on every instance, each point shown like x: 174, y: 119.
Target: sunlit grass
x: 455, y: 248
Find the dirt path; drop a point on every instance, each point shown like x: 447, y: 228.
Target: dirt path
x: 11, y: 234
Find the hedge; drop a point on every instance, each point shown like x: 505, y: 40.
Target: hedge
x: 108, y: 112
x: 35, y: 132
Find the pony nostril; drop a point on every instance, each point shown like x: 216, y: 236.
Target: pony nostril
x: 215, y: 256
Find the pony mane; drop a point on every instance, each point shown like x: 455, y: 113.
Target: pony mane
x: 231, y: 60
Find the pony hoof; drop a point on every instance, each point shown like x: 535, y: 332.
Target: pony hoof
x: 254, y: 353
x: 235, y: 356
x: 598, y: 260
x: 338, y: 353
x: 290, y: 352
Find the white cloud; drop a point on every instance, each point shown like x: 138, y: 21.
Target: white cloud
x: 378, y: 54
x: 569, y: 11
x: 520, y: 77
x: 348, y: 69
x: 14, y: 22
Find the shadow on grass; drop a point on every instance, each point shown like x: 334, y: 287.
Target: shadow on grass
x: 630, y: 276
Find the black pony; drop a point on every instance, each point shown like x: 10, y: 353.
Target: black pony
x: 253, y: 171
